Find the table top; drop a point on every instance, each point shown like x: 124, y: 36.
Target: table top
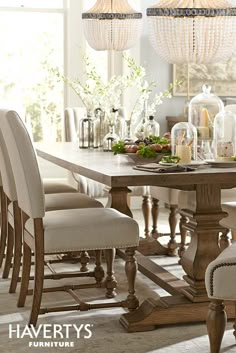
x: 117, y: 171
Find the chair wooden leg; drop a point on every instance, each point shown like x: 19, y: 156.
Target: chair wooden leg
x: 9, y: 253
x: 98, y: 271
x: 17, y: 247
x: 172, y: 224
x: 155, y: 214
x: 3, y: 240
x: 224, y: 240
x: 110, y: 281
x: 146, y: 208
x: 131, y: 268
x: 84, y: 260
x: 216, y: 322
x: 38, y: 271
x: 25, y: 276
x: 183, y: 234
x: 235, y: 321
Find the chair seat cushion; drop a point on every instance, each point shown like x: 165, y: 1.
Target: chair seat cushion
x: 55, y: 202
x: 54, y: 186
x: 230, y: 220
x: 221, y: 274
x: 87, y: 229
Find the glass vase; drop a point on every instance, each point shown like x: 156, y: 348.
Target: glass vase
x: 86, y: 131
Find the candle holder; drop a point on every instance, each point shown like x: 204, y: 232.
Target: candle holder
x: 184, y: 142
x: 202, y: 111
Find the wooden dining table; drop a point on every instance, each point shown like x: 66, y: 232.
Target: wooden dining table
x: 187, y: 300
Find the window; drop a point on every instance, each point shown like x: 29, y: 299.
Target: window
x: 32, y: 43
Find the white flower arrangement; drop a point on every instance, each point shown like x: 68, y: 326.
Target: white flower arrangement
x: 95, y: 93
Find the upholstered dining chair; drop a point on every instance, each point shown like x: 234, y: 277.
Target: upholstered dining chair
x: 220, y: 285
x: 52, y: 202
x: 63, y: 231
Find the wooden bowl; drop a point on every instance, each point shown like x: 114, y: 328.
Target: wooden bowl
x: 137, y: 159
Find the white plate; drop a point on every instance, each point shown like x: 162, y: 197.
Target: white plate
x: 167, y: 164
x: 192, y: 164
x: 221, y: 164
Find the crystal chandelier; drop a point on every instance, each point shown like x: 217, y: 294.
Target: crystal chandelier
x: 193, y: 31
x: 112, y: 25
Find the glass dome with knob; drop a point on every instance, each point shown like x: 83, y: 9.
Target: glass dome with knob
x: 202, y: 111
x: 184, y: 142
x: 224, y: 137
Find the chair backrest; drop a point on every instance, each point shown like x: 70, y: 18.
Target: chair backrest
x: 71, y: 123
x: 24, y: 164
x: 8, y: 181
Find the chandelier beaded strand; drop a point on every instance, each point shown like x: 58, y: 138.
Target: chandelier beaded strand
x: 193, y: 31
x: 112, y: 25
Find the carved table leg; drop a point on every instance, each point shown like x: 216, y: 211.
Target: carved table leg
x: 183, y: 234
x: 146, y: 208
x: 155, y: 214
x: 204, y: 246
x: 172, y: 222
x: 119, y: 200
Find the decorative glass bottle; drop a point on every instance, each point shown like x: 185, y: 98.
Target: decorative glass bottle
x: 86, y: 131
x: 224, y: 136
x: 184, y: 142
x: 139, y: 130
x: 111, y: 137
x: 202, y: 111
x: 151, y: 127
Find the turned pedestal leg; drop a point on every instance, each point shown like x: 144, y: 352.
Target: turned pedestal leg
x: 183, y: 234
x: 172, y: 223
x: 119, y: 200
x: 146, y: 208
x: 155, y: 214
x: 204, y: 246
x: 216, y: 322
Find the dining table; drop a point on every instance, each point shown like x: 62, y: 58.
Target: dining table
x: 187, y: 300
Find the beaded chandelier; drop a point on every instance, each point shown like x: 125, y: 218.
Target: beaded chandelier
x: 112, y: 25
x: 193, y: 31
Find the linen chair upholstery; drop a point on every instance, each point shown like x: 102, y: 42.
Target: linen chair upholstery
x: 44, y: 233
x: 52, y: 202
x: 220, y: 285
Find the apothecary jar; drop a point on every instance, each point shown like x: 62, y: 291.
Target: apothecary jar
x: 202, y: 111
x: 184, y: 142
x: 224, y: 136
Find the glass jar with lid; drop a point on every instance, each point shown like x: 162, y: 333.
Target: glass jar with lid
x: 184, y: 142
x: 224, y: 137
x: 151, y: 127
x: 202, y: 111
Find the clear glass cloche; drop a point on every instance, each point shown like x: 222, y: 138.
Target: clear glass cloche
x: 184, y: 142
x: 224, y: 136
x: 202, y: 111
